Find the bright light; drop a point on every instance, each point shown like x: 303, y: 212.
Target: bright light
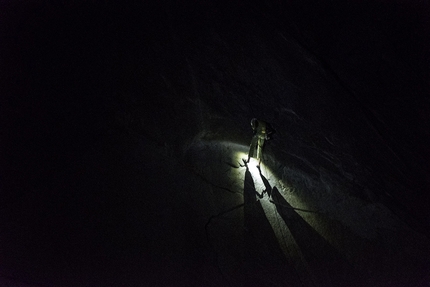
x: 253, y: 169
x: 226, y: 172
x: 220, y: 165
x: 282, y: 233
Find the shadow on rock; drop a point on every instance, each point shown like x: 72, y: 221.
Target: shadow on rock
x: 264, y: 262
x: 328, y: 266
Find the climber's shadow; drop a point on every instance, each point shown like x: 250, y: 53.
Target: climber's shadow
x: 313, y: 245
x: 267, y: 186
x: 321, y: 257
x: 250, y: 193
x: 262, y: 254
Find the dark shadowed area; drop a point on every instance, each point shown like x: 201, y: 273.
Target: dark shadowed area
x: 123, y: 129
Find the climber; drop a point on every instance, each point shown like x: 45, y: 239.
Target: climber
x: 262, y: 133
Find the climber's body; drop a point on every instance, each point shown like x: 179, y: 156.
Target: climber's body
x: 262, y: 132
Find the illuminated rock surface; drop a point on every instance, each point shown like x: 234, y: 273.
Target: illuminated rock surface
x: 124, y: 129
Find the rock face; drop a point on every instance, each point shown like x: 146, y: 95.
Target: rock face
x: 124, y: 130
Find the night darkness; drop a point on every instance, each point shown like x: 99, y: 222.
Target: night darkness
x: 123, y: 128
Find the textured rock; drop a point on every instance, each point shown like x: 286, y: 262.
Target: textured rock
x: 124, y: 128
